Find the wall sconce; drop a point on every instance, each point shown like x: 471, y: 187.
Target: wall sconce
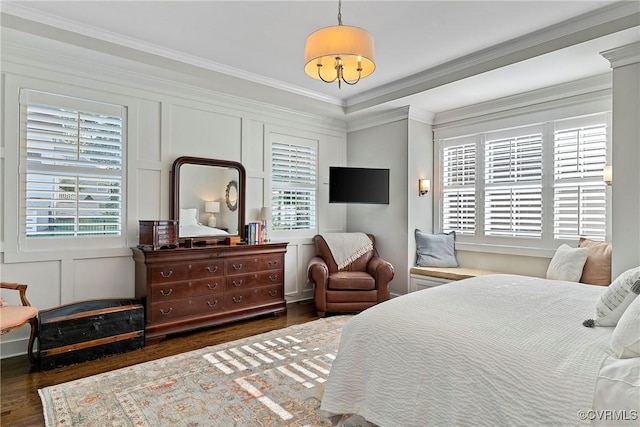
x: 607, y: 175
x: 424, y: 185
x: 213, y: 208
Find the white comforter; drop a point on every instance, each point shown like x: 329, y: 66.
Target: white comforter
x: 200, y: 230
x: 494, y: 350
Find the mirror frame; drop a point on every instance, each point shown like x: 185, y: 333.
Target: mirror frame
x: 175, y: 191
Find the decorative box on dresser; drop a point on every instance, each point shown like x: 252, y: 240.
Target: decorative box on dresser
x: 188, y: 288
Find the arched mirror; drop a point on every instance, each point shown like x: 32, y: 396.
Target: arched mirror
x: 208, y: 198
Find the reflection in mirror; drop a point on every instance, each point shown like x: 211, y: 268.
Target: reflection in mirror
x: 201, y: 197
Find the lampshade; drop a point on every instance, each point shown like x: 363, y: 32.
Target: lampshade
x: 353, y: 45
x: 265, y: 213
x: 424, y: 185
x: 212, y: 207
x: 339, y: 52
x: 608, y: 175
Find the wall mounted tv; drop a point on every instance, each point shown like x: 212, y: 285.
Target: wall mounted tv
x: 358, y: 185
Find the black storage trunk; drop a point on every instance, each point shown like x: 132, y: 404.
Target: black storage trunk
x: 88, y: 330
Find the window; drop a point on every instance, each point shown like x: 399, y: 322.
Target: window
x: 580, y: 197
x: 459, y: 181
x: 72, y: 177
x: 293, y: 184
x: 513, y: 184
x: 529, y: 186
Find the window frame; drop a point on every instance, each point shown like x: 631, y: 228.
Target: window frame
x: 67, y: 243
x: 544, y: 246
x: 291, y: 139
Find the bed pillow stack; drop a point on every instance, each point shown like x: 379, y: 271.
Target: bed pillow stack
x: 188, y: 217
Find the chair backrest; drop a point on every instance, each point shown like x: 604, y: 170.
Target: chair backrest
x: 360, y: 264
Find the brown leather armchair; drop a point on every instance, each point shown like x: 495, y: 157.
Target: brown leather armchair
x: 358, y: 286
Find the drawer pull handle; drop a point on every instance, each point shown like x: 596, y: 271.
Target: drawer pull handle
x: 215, y: 285
x: 212, y: 305
x: 273, y: 293
x: 96, y: 326
x: 162, y: 292
x: 165, y: 275
x: 166, y: 312
x: 238, y: 283
x: 212, y: 270
x: 273, y: 278
x: 237, y: 299
x: 272, y: 263
x: 237, y: 266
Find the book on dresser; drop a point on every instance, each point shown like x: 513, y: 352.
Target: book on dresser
x: 188, y: 288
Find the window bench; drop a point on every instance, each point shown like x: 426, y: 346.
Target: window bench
x: 427, y: 277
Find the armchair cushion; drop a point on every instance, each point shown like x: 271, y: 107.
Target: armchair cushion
x: 12, y: 316
x: 345, y: 280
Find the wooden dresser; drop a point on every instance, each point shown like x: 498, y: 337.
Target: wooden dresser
x: 184, y: 289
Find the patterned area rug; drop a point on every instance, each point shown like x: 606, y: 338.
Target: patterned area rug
x: 272, y: 379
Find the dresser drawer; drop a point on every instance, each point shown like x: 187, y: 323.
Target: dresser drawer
x: 189, y: 288
x: 251, y: 264
x: 192, y: 270
x: 237, y: 300
x: 164, y: 311
x: 244, y: 281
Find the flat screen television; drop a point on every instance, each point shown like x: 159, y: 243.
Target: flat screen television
x: 358, y: 185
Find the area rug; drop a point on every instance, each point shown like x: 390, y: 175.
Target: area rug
x: 272, y: 379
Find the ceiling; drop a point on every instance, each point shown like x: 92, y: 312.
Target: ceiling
x: 434, y: 55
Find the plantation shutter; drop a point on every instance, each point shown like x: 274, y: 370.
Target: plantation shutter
x: 513, y: 183
x: 73, y: 177
x: 459, y: 193
x: 293, y: 186
x: 579, y: 193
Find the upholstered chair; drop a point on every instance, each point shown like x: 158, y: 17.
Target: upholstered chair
x: 14, y: 316
x: 357, y: 286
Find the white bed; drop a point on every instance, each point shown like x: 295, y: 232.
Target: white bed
x: 190, y: 226
x: 199, y: 230
x: 493, y: 350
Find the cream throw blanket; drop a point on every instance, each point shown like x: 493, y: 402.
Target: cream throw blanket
x: 347, y: 247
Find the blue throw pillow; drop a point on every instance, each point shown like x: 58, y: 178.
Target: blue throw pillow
x: 436, y: 250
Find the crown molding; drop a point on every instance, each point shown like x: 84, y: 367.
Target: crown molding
x: 602, y: 82
x: 623, y: 55
x: 379, y: 118
x: 607, y: 20
x: 610, y: 19
x: 130, y: 80
x: 17, y: 10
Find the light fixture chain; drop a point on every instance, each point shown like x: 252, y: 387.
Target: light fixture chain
x: 339, y: 12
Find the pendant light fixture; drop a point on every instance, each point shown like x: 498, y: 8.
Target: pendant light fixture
x: 339, y: 52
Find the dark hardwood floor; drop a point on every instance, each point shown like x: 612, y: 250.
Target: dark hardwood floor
x: 21, y: 405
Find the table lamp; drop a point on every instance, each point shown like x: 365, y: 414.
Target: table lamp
x: 212, y: 208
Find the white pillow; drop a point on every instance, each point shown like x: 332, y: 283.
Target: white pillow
x: 625, y: 340
x: 618, y: 296
x: 188, y: 217
x: 567, y: 263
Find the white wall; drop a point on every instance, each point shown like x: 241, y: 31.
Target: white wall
x: 168, y: 115
x: 384, y: 146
